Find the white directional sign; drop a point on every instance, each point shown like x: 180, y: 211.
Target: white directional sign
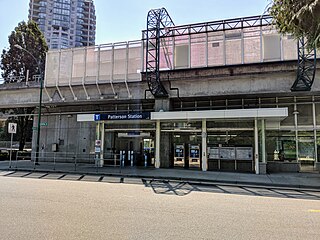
x: 12, y: 128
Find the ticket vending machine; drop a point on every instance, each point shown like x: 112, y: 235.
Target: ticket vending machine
x: 179, y: 155
x: 194, y: 156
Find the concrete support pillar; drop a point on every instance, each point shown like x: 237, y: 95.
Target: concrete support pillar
x: 256, y: 146
x: 263, y: 164
x: 204, y: 146
x: 157, y: 149
x: 162, y: 105
x: 163, y: 140
x: 166, y: 151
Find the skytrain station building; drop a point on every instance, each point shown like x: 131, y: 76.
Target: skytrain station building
x: 229, y: 95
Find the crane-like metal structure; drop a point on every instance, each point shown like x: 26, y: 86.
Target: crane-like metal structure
x: 158, y: 22
x: 307, y: 64
x: 160, y: 26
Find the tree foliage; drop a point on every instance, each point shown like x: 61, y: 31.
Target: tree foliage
x: 15, y: 62
x: 24, y: 125
x: 298, y: 17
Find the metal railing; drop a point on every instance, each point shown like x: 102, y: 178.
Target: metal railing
x: 67, y: 162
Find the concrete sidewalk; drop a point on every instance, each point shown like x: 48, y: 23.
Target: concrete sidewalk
x: 288, y: 180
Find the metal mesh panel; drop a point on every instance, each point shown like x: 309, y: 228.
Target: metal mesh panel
x: 78, y: 70
x: 134, y: 61
x: 215, y: 49
x: 65, y: 67
x: 252, y: 52
x: 120, y: 57
x: 181, y: 52
x: 233, y: 47
x: 271, y: 44
x: 198, y: 50
x: 289, y: 48
x: 91, y: 65
x: 166, y: 51
x: 123, y: 61
x: 52, y: 68
x: 106, y: 59
x: 252, y: 45
x: 271, y: 47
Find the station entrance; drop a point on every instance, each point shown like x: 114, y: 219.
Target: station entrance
x: 135, y: 151
x: 130, y: 143
x: 222, y: 140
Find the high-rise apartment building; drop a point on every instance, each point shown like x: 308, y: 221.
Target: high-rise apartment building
x: 65, y: 23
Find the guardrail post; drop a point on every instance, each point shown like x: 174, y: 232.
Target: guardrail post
x: 75, y: 163
x: 145, y: 160
x: 54, y: 161
x: 35, y: 160
x: 16, y: 160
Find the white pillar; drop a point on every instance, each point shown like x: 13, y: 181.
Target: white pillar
x: 263, y: 141
x: 157, y: 150
x: 256, y: 146
x: 204, y: 146
x: 102, y: 131
x: 315, y: 131
x: 98, y: 130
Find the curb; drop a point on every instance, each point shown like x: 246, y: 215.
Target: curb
x: 195, y: 181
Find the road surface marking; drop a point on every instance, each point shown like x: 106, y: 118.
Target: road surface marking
x: 314, y: 210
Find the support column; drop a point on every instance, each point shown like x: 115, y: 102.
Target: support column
x: 165, y: 139
x: 317, y: 163
x: 98, y: 131
x: 157, y: 150
x: 263, y: 165
x: 99, y: 148
x: 102, y: 132
x: 295, y: 112
x: 204, y: 146
x: 263, y: 141
x: 256, y: 146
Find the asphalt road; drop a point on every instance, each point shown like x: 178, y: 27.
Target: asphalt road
x: 103, y: 208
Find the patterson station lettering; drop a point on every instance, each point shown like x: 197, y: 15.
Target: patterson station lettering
x: 124, y: 116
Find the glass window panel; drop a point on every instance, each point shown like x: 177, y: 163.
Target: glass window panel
x: 288, y: 121
x: 305, y: 116
x: 280, y: 145
x: 306, y: 146
x: 318, y: 113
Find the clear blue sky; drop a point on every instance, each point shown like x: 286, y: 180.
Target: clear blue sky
x: 123, y: 20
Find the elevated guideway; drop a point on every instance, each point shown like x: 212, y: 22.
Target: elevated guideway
x: 228, y: 57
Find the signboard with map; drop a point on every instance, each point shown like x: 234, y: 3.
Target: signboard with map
x: 228, y: 153
x: 214, y: 153
x: 244, y: 153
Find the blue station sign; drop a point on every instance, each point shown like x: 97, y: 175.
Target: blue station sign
x: 122, y: 116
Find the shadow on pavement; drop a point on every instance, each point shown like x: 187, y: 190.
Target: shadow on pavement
x: 184, y: 188
x: 174, y: 187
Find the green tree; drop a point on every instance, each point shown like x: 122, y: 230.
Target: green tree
x: 300, y: 18
x: 15, y: 62
x: 24, y: 125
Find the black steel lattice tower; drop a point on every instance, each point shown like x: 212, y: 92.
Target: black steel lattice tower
x: 158, y: 23
x: 307, y: 60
